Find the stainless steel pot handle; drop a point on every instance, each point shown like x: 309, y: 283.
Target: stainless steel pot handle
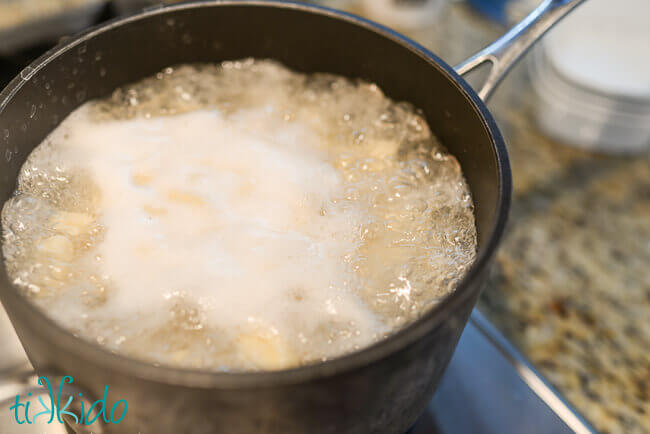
x: 505, y: 51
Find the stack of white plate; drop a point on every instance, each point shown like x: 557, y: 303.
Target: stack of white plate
x: 591, y: 77
x: 404, y: 14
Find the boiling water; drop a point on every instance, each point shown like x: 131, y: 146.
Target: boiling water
x: 238, y: 217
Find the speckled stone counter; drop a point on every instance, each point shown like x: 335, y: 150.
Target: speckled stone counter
x: 571, y: 286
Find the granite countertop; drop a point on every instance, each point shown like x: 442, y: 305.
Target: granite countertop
x: 571, y: 286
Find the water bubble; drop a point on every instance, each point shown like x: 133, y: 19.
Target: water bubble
x: 32, y: 111
x: 27, y: 73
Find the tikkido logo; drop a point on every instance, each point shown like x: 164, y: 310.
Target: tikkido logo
x: 23, y: 412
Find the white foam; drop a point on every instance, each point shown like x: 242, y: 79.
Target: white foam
x: 237, y: 218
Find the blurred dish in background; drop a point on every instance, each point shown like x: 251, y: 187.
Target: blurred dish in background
x: 24, y: 23
x: 404, y: 14
x: 507, y: 12
x: 591, y: 77
x: 424, y: 21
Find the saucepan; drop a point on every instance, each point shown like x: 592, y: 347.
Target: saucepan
x: 382, y: 388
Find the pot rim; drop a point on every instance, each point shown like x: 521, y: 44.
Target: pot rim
x: 205, y: 378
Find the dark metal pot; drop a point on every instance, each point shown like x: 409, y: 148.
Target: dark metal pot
x: 382, y: 388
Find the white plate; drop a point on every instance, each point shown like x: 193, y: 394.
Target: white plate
x: 575, y: 115
x: 603, y: 45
